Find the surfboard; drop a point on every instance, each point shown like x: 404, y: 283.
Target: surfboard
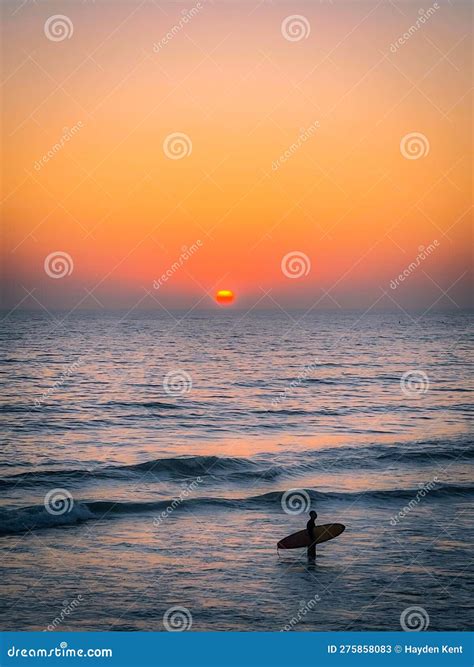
x: 323, y: 533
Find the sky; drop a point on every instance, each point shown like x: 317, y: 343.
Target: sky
x: 300, y: 154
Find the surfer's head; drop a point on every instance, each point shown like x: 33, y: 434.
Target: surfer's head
x: 313, y: 514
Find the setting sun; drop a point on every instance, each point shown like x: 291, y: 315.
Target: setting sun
x: 225, y: 296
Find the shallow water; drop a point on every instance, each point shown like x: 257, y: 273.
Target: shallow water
x: 317, y: 407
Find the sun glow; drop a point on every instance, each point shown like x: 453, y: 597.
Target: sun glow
x: 225, y: 296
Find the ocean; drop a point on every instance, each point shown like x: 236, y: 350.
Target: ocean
x: 151, y: 462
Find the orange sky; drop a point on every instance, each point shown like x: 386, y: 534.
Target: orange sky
x: 242, y: 93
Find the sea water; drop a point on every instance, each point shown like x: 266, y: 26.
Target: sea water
x: 151, y: 462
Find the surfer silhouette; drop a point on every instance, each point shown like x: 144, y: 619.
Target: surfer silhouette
x: 310, y: 530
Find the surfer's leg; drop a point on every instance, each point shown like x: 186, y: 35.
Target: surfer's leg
x: 312, y: 552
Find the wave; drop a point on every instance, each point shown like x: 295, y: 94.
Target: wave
x: 36, y: 517
x: 263, y: 467
x: 143, y: 404
x: 180, y: 467
x: 275, y: 497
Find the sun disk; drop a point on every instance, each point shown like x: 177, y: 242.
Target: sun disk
x: 224, y: 296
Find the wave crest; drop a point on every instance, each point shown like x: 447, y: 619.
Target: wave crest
x: 36, y: 517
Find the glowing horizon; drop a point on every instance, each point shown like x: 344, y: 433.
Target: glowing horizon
x: 301, y: 169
